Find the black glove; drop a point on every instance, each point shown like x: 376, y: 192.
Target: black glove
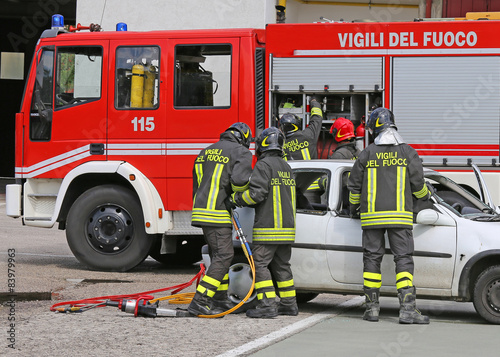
x: 230, y: 205
x: 431, y: 189
x: 354, y: 209
x: 314, y: 102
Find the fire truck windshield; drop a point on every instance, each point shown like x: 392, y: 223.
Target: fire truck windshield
x: 78, y: 75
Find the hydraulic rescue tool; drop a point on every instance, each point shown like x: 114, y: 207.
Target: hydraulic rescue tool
x: 144, y: 304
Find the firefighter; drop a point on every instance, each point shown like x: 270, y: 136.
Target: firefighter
x: 301, y: 144
x: 219, y: 170
x: 272, y: 193
x: 381, y: 185
x: 343, y: 133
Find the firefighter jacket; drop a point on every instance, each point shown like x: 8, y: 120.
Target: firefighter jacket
x: 219, y: 170
x: 381, y: 184
x: 301, y: 145
x: 346, y: 150
x: 272, y: 192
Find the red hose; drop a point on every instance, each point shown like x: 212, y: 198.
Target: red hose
x: 145, y: 295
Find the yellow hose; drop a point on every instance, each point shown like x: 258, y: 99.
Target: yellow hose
x: 234, y: 308
x: 185, y: 298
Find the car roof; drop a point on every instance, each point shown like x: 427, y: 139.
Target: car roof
x: 334, y: 164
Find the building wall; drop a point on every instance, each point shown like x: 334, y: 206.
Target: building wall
x: 458, y: 8
x: 299, y: 12
x: 176, y: 14
x: 196, y: 14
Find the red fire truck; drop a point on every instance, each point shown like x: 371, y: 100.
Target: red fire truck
x: 111, y: 121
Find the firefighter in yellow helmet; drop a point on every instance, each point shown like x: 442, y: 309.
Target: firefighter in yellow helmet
x: 219, y: 170
x: 272, y: 193
x: 382, y: 181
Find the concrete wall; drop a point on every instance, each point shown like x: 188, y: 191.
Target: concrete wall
x: 196, y: 14
x: 299, y: 12
x: 176, y: 14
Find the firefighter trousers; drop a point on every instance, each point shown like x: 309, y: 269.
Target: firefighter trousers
x: 220, y: 249
x: 273, y: 261
x: 401, y: 245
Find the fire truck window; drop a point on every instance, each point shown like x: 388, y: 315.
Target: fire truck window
x: 203, y: 75
x: 78, y: 77
x: 137, y: 77
x: 41, y: 106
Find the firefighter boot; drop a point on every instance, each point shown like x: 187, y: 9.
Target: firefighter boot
x: 266, y: 309
x: 203, y: 305
x: 288, y: 306
x: 372, y: 304
x: 408, y: 312
x: 221, y: 301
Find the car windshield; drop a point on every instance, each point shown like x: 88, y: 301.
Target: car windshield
x: 461, y: 199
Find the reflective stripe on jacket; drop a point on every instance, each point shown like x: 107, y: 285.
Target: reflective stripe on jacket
x: 219, y: 170
x: 272, y: 192
x: 301, y: 145
x: 382, y: 182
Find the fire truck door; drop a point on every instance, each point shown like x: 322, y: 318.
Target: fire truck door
x: 203, y: 97
x: 136, y: 120
x: 66, y: 114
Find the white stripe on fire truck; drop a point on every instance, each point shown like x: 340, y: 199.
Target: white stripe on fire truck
x: 160, y: 149
x: 53, y: 163
x: 142, y: 149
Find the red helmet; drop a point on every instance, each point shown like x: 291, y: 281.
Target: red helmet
x: 360, y: 130
x: 342, y: 129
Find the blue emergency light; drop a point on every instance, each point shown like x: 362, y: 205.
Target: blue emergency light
x: 121, y: 26
x: 57, y: 21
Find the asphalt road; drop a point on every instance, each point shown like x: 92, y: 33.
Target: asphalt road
x: 46, y: 272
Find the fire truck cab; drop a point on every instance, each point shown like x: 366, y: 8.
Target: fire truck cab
x: 109, y: 128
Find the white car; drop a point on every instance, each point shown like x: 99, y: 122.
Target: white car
x: 457, y: 241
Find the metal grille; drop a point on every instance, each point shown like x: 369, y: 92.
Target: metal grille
x: 259, y: 88
x: 338, y: 73
x: 448, y: 100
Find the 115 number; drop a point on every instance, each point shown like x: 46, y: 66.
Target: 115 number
x: 144, y: 124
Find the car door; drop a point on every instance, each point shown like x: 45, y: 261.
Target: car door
x: 309, y: 258
x: 434, y: 253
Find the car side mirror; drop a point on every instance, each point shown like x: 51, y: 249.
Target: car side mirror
x: 434, y: 218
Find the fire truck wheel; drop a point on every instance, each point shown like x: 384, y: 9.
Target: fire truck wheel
x: 105, y: 229
x: 487, y: 294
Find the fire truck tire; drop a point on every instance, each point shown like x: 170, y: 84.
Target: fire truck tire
x: 487, y: 294
x: 105, y: 229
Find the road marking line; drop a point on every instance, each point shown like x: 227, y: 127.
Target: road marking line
x: 292, y: 329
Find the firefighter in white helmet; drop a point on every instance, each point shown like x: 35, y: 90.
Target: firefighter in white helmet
x: 272, y: 193
x: 382, y: 181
